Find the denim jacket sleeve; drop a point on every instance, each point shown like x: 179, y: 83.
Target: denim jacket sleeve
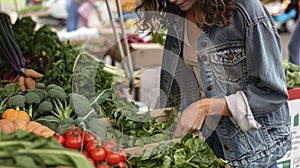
x: 267, y: 90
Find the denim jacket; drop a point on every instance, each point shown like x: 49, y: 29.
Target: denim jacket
x: 243, y: 56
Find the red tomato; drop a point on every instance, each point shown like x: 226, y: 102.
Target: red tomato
x: 73, y: 130
x: 123, y: 154
x: 61, y: 139
x: 102, y: 166
x: 88, y: 137
x: 73, y: 141
x: 91, y: 161
x: 69, y: 132
x: 121, y: 165
x: 98, y: 154
x: 102, y: 163
x: 107, y: 146
x: 113, y: 158
x: 90, y: 146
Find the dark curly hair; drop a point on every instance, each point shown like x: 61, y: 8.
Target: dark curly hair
x: 153, y: 14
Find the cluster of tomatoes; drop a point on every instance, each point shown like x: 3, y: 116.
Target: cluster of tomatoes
x: 101, y: 154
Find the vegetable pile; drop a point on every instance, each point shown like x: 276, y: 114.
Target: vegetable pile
x: 130, y: 128
x: 11, y: 54
x: 28, y: 150
x: 37, y: 46
x: 292, y: 74
x: 190, y: 152
x: 70, y: 67
x: 51, y: 106
x: 67, y: 66
x: 74, y: 97
x: 100, y: 153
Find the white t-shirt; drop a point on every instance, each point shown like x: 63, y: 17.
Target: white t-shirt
x: 189, y: 48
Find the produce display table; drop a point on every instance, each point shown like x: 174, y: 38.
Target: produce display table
x: 146, y: 58
x: 80, y: 36
x: 292, y: 158
x: 294, y: 93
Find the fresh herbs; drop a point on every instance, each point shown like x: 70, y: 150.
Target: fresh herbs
x: 77, y: 71
x: 190, y: 152
x: 37, y: 46
x: 130, y: 127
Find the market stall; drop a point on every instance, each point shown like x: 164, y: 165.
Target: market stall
x: 80, y: 112
x: 76, y: 114
x: 292, y: 72
x: 292, y: 158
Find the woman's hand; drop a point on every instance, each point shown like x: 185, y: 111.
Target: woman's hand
x: 193, y: 117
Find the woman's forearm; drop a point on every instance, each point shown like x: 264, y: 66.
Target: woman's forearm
x: 216, y: 106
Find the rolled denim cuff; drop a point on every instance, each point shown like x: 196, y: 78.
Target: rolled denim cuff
x: 241, y: 112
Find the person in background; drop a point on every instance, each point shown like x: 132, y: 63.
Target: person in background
x: 28, y: 2
x: 294, y: 42
x: 73, y: 17
x: 85, y: 10
x: 234, y: 51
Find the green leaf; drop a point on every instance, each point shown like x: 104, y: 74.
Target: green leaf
x: 11, y: 89
x: 179, y: 156
x: 96, y: 126
x: 139, y: 142
x: 49, y: 121
x: 167, y: 161
x: 27, y: 161
x: 53, y: 157
x: 65, y: 125
x: 80, y: 104
x: 147, y: 154
x: 102, y: 97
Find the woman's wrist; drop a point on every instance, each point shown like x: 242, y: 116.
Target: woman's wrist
x: 215, y: 106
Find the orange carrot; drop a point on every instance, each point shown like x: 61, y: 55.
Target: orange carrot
x: 21, y: 81
x: 30, y: 83
x: 32, y: 73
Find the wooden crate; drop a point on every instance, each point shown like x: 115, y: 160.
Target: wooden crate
x: 140, y: 149
x: 159, y: 113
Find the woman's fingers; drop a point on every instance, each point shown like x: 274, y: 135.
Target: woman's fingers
x: 200, y: 120
x: 191, y: 119
x: 180, y: 131
x: 198, y: 123
x: 185, y: 123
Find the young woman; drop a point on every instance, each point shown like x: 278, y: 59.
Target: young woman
x: 234, y: 52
